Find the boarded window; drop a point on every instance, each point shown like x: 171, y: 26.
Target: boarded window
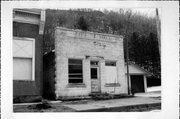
x: 75, y: 71
x: 23, y: 56
x: 23, y: 48
x: 111, y: 72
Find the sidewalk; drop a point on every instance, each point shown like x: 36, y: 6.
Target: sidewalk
x: 149, y: 94
x: 154, y: 88
x: 115, y: 105
x: 154, y: 91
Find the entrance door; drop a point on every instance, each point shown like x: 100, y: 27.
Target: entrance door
x: 95, y: 83
x: 137, y: 83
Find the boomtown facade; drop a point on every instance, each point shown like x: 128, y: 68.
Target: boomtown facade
x: 83, y: 63
x: 28, y: 28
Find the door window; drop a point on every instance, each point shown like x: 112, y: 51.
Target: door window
x: 94, y: 74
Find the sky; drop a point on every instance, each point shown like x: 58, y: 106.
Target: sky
x: 150, y: 12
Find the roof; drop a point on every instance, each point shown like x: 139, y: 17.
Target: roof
x: 137, y: 70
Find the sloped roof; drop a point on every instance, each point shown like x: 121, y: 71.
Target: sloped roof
x: 135, y: 69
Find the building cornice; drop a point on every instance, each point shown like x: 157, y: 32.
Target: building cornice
x: 30, y: 16
x: 80, y: 34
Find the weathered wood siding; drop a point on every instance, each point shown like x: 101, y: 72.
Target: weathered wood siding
x: 26, y: 88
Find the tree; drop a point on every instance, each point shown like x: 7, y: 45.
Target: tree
x: 82, y: 24
x: 141, y: 31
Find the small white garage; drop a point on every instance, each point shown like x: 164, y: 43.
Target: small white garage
x: 137, y: 78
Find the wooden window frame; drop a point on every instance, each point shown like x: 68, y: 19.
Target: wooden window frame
x: 33, y: 57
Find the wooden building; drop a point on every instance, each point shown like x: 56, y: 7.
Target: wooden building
x: 28, y: 28
x: 137, y: 78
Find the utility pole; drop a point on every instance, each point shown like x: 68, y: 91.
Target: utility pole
x: 127, y: 56
x: 127, y: 65
x: 158, y: 25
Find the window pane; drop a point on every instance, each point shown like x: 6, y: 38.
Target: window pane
x: 75, y: 71
x: 75, y: 68
x: 93, y: 73
x: 22, y: 68
x: 75, y: 80
x: 94, y: 62
x: 75, y: 61
x: 74, y: 75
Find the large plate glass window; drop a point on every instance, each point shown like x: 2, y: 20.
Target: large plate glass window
x: 75, y: 71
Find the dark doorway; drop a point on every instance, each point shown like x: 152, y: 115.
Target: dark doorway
x: 137, y: 83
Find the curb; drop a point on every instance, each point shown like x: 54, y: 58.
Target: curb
x: 27, y: 104
x: 120, y: 108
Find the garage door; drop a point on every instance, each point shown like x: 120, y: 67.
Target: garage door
x: 137, y: 83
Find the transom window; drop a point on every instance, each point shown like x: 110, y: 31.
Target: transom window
x: 110, y: 63
x: 75, y: 71
x: 94, y: 63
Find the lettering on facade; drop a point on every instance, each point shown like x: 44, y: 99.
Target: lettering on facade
x: 99, y: 44
x: 93, y: 36
x: 81, y: 35
x: 106, y: 38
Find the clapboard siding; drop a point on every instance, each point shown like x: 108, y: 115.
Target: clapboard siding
x: 30, y: 87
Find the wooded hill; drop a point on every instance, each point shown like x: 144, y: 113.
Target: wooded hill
x: 140, y: 30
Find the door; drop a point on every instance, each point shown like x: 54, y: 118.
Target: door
x: 95, y: 83
x: 137, y: 83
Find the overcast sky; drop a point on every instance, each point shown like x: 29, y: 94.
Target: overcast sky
x: 151, y: 12
x: 148, y: 11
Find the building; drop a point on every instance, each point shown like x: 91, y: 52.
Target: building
x: 84, y: 62
x: 28, y: 27
x: 137, y: 78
